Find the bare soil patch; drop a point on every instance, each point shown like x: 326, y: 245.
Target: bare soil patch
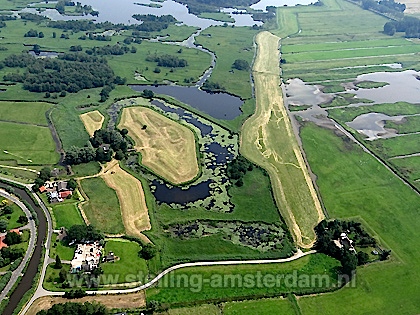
x: 132, y: 300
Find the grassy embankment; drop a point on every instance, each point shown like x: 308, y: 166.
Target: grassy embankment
x: 167, y: 147
x: 267, y: 139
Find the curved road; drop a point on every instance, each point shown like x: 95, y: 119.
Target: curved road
x: 32, y: 227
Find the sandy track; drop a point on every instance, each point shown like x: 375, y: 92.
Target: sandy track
x: 132, y: 300
x: 130, y: 194
x: 167, y: 147
x: 267, y: 139
x: 92, y: 121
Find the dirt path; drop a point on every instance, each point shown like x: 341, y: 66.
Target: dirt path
x: 267, y: 138
x: 130, y: 193
x: 126, y: 301
x: 92, y: 121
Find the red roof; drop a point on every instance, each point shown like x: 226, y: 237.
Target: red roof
x: 1, y: 242
x: 65, y: 194
x: 17, y: 231
x: 42, y: 189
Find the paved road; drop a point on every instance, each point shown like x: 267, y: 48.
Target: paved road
x: 32, y: 239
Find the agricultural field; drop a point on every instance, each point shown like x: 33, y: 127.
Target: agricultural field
x: 24, y: 125
x: 293, y: 188
x: 131, y: 198
x: 102, y: 207
x: 166, y: 147
x: 354, y: 184
x: 92, y: 121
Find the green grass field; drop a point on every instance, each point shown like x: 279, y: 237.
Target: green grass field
x: 397, y: 146
x: 27, y: 144
x: 24, y: 112
x: 206, y: 309
x: 129, y: 268
x: 102, y: 209
x: 230, y: 44
x: 353, y: 184
x: 12, y: 221
x: 57, y: 248
x: 67, y: 215
x: 201, y: 283
x: 261, y: 307
x: 409, y: 125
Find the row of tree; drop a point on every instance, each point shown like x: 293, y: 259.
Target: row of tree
x: 71, y: 308
x: 409, y: 25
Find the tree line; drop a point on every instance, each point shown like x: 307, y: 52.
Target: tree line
x: 71, y: 308
x: 408, y: 25
x: 199, y: 6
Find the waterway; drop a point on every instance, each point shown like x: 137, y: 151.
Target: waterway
x: 218, y: 105
x: 126, y: 9
x: 263, y: 4
x: 30, y: 273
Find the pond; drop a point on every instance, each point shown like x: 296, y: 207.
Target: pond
x: 218, y: 105
x: 123, y: 10
x: 261, y: 5
x: 402, y: 87
x: 181, y: 196
x: 372, y: 125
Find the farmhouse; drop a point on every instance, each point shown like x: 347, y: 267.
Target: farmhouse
x: 345, y: 242
x: 2, y: 244
x: 86, y: 257
x: 56, y: 191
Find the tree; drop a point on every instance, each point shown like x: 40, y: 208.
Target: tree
x: 58, y: 264
x: 45, y: 174
x: 240, y: 64
x: 72, y: 184
x: 362, y: 258
x: 13, y: 238
x: 22, y: 219
x: 389, y: 28
x: 148, y: 251
x: 3, y: 225
x: 37, y: 49
x: 8, y: 210
x: 385, y: 254
x: 62, y: 275
x: 41, y: 35
x: 349, y: 263
x: 147, y: 93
